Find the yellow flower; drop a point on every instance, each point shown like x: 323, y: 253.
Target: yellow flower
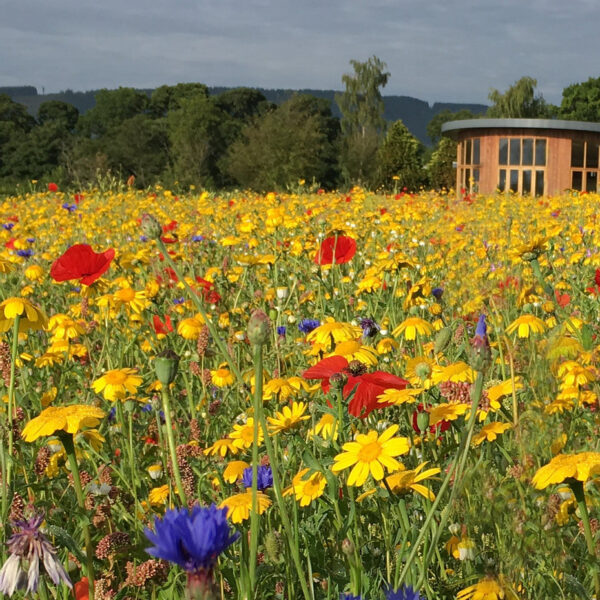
x: 447, y: 411
x: 574, y: 374
x: 398, y: 397
x: 370, y: 453
x: 490, y: 432
x: 159, y: 495
x: 116, y: 384
x: 63, y: 327
x: 127, y: 296
x: 288, y: 418
x: 34, y: 272
x: 456, y: 372
x: 243, y: 435
x: 526, y: 324
x: 495, y: 392
x: 239, y: 506
x: 326, y: 428
x: 222, y: 377
x: 354, y: 350
x: 31, y: 317
x: 386, y: 345
x: 70, y: 419
x: 284, y: 388
x: 331, y: 332
x: 403, y: 481
x: 93, y: 438
x: 190, y: 329
x: 487, y: 588
x: 222, y: 447
x: 306, y: 489
x: 49, y: 396
x: 234, y: 470
x: 580, y: 466
x: 412, y: 327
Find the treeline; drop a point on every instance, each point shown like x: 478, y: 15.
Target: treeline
x: 181, y: 135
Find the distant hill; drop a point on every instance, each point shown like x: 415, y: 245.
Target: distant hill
x: 414, y: 113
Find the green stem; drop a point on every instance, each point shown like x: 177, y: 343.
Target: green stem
x: 254, y: 516
x: 171, y: 441
x: 11, y: 397
x: 67, y: 442
x: 211, y: 326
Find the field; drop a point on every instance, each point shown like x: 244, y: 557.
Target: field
x: 355, y: 395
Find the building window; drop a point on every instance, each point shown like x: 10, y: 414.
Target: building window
x: 523, y: 157
x: 468, y: 167
x: 584, y: 166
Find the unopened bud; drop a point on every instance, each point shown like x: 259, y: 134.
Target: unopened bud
x: 442, y: 339
x: 338, y: 381
x: 348, y: 547
x: 423, y: 421
x: 151, y: 226
x: 259, y: 328
x: 165, y: 366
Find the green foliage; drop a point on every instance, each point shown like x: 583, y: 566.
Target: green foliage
x: 434, y: 128
x: 61, y: 113
x: 581, y: 101
x: 296, y: 141
x: 169, y: 97
x: 400, y: 156
x: 519, y: 101
x: 362, y: 123
x: 243, y: 103
x: 442, y: 173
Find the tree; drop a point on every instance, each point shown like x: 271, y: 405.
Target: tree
x: 297, y: 140
x: 441, y: 170
x: 15, y: 124
x: 519, y: 101
x: 61, y: 113
x: 169, y: 97
x: 434, y: 127
x: 243, y: 103
x: 399, y: 160
x: 363, y: 125
x: 581, y: 101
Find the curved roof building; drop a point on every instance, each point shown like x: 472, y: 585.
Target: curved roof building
x: 525, y: 156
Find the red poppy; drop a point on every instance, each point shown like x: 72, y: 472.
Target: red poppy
x: 562, y: 299
x: 52, y: 187
x: 336, y: 249
x: 368, y: 385
x: 595, y: 289
x: 208, y: 292
x: 81, y: 589
x: 160, y: 327
x: 78, y: 198
x: 81, y: 262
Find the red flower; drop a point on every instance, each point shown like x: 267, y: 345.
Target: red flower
x: 81, y: 262
x: 208, y: 292
x: 368, y: 385
x: 336, y: 249
x: 160, y: 327
x: 562, y: 299
x: 52, y: 187
x: 442, y: 425
x: 81, y: 589
x: 595, y: 289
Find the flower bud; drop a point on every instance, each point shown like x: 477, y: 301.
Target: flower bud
x: 151, y: 226
x: 423, y: 421
x: 338, y: 381
x: 259, y: 328
x: 348, y: 547
x: 442, y: 339
x: 165, y: 366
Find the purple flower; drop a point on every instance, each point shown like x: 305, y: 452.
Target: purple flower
x: 25, y: 253
x: 481, y: 329
x: 406, y: 592
x: 197, y: 238
x: 191, y: 539
x: 437, y: 292
x: 350, y: 597
x: 281, y: 331
x: 264, y: 478
x: 307, y: 325
x: 8, y: 226
x: 27, y: 548
x: 369, y: 327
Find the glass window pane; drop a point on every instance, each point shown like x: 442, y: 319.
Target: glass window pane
x: 591, y: 158
x: 502, y: 180
x: 539, y: 183
x: 528, y: 151
x: 591, y: 181
x: 576, y: 154
x: 466, y: 182
x: 540, y: 153
x: 526, y: 187
x: 515, y: 151
x: 503, y: 153
x: 476, y: 175
x: 476, y: 151
x: 468, y: 153
x: 576, y: 180
x: 514, y: 180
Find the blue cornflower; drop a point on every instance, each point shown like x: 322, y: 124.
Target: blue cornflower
x: 369, y: 327
x: 307, y: 325
x: 281, y: 330
x: 350, y: 597
x: 25, y: 253
x: 143, y: 238
x: 264, y: 478
x: 31, y: 240
x: 406, y: 592
x: 179, y: 300
x: 112, y: 413
x: 191, y: 539
x: 8, y: 226
x: 69, y: 207
x: 437, y: 292
x: 481, y: 329
x: 197, y: 238
x: 147, y: 408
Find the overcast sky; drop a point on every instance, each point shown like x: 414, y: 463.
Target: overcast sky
x: 449, y: 50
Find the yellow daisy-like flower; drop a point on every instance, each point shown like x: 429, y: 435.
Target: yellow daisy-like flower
x: 526, y: 324
x: 404, y: 481
x: 30, y: 316
x: 495, y: 392
x: 490, y: 432
x: 190, y: 329
x: 222, y: 448
x: 398, y: 397
x: 284, y: 388
x: 370, y: 454
x: 326, y: 428
x: 306, y: 489
x: 116, y: 384
x: 574, y: 374
x: 580, y: 466
x: 447, y: 411
x: 487, y: 588
x: 159, y: 495
x: 234, y: 470
x: 456, y: 372
x: 70, y: 419
x: 132, y: 299
x: 386, y: 345
x: 34, y: 272
x: 243, y: 435
x: 222, y: 377
x: 412, y: 327
x: 331, y: 332
x: 239, y: 506
x: 354, y: 350
x: 63, y: 327
x: 288, y: 418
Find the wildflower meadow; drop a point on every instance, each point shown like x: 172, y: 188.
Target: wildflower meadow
x: 308, y: 395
